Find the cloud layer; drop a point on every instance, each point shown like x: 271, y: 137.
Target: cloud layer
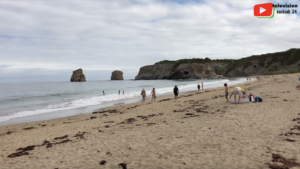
x: 102, y: 36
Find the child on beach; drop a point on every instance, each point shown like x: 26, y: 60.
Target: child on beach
x: 153, y: 94
x: 226, y: 92
x: 198, y: 86
x: 245, y: 95
x: 103, y: 92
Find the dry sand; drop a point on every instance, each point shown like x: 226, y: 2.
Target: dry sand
x: 200, y: 130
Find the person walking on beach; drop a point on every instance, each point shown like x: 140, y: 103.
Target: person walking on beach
x: 237, y: 91
x: 123, y: 92
x: 198, y: 86
x: 143, y: 93
x: 119, y: 92
x: 103, y: 92
x: 153, y: 94
x: 202, y: 85
x: 226, y: 92
x: 176, y: 91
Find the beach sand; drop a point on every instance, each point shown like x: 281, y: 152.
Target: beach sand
x: 200, y: 130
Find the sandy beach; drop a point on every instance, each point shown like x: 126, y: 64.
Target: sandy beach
x: 199, y: 130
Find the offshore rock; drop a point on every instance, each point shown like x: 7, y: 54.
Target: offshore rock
x: 78, y: 76
x: 117, y: 75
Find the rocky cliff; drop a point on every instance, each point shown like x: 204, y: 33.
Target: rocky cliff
x: 78, y: 76
x: 275, y: 63
x: 266, y: 64
x: 184, y: 69
x: 117, y: 75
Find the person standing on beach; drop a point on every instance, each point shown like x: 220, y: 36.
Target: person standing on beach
x: 226, y: 92
x: 176, y: 92
x: 153, y: 94
x: 103, y: 92
x: 202, y: 85
x: 123, y: 92
x: 198, y: 86
x: 237, y: 91
x: 143, y: 93
x: 119, y: 92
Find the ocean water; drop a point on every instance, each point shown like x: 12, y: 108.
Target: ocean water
x: 20, y: 100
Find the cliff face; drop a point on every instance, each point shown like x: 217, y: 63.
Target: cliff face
x: 175, y: 70
x: 145, y: 73
x: 78, y: 76
x: 275, y: 63
x: 197, y: 71
x: 117, y: 75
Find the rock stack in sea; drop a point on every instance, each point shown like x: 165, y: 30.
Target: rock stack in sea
x: 78, y: 76
x: 117, y: 75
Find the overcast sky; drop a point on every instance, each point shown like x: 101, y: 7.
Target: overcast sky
x: 45, y: 40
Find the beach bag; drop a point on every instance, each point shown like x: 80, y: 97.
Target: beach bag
x: 258, y: 99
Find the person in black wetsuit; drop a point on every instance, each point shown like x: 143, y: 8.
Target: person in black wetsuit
x: 198, y: 86
x: 176, y: 91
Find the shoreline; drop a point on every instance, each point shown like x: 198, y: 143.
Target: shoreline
x: 91, y: 108
x: 199, y: 129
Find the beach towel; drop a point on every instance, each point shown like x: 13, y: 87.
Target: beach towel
x: 245, y: 100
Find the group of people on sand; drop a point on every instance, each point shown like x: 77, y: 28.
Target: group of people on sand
x: 199, y: 86
x: 175, y: 91
x: 238, y: 91
x: 153, y: 93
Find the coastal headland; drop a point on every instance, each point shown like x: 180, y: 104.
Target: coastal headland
x: 199, y: 130
x: 284, y: 62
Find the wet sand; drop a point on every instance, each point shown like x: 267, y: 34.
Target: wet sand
x: 199, y: 130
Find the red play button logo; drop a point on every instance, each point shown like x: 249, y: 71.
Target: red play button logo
x: 263, y: 10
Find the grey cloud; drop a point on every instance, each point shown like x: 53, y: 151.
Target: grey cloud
x: 2, y: 66
x: 105, y: 35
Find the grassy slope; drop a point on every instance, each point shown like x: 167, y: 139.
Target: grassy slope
x: 284, y: 58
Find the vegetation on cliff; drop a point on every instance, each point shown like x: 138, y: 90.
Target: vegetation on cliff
x: 196, y: 60
x: 270, y: 63
x: 266, y: 60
